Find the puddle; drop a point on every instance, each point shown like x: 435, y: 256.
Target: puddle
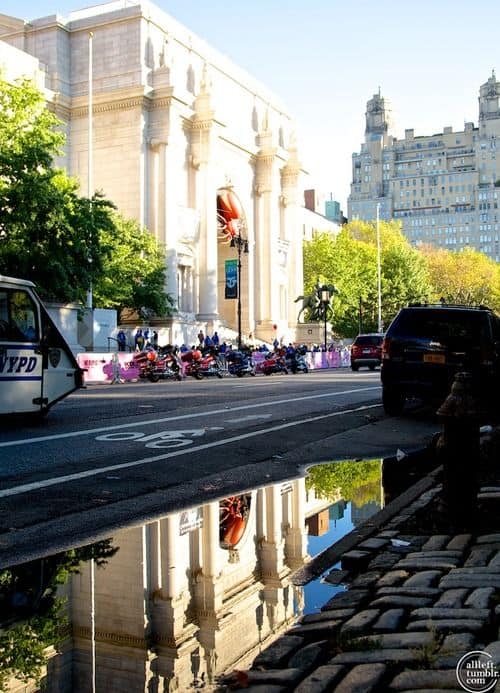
x: 178, y: 601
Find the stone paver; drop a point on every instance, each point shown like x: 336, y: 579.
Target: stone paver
x: 414, y: 604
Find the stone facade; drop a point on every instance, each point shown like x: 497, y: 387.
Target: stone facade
x: 174, y: 122
x: 173, y: 606
x: 445, y: 188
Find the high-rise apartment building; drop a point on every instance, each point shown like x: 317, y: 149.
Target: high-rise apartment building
x: 445, y: 187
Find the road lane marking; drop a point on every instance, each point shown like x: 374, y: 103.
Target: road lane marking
x: 250, y: 417
x: 163, y: 439
x: 180, y: 417
x: 37, y: 485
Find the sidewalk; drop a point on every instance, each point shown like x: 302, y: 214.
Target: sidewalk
x: 419, y: 597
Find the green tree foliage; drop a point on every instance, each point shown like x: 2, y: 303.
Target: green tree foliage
x: 350, y: 262
x: 351, y: 479
x: 133, y: 273
x: 32, y: 617
x: 49, y: 234
x: 468, y: 277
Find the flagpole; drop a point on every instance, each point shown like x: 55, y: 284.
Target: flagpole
x: 90, y: 164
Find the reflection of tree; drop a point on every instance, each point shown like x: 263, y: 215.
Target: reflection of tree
x: 31, y: 616
x: 357, y: 481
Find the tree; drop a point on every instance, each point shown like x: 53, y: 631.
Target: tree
x: 49, y: 234
x: 468, y: 277
x: 32, y: 616
x: 350, y: 262
x: 133, y: 272
x: 349, y: 478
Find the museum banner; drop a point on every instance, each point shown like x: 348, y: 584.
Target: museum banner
x: 231, y: 268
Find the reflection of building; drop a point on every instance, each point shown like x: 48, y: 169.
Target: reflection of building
x: 173, y: 123
x: 361, y: 513
x: 443, y: 187
x: 172, y: 606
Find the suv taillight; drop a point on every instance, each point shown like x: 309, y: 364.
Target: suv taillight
x: 386, y: 348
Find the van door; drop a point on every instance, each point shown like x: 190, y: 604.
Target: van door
x: 21, y: 367
x: 61, y: 372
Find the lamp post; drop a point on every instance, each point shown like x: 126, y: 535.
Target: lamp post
x: 324, y: 297
x: 241, y: 245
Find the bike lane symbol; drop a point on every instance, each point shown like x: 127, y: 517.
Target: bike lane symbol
x: 162, y: 440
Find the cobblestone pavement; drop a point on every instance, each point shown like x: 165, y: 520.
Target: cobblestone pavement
x: 419, y: 596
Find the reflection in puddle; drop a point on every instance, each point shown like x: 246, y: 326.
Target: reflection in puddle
x: 352, y: 492
x: 187, y: 596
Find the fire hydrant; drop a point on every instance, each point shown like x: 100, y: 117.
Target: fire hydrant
x: 458, y: 451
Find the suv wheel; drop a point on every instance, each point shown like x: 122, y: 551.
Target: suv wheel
x: 354, y: 367
x: 393, y: 401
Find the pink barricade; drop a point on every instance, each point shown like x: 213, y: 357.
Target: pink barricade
x: 105, y: 368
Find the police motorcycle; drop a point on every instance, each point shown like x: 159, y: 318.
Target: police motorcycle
x: 199, y: 365
x: 274, y: 363
x: 155, y: 365
x: 296, y: 361
x: 37, y: 366
x: 240, y: 363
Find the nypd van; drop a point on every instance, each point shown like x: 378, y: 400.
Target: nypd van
x: 37, y: 367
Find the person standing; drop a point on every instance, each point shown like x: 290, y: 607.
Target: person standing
x: 201, y: 338
x: 215, y: 339
x: 121, y: 338
x: 139, y: 340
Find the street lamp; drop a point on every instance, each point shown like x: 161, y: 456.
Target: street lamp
x: 324, y: 297
x: 241, y: 245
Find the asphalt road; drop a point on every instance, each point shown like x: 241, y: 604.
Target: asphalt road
x: 110, y: 455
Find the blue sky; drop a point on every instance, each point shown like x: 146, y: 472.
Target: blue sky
x: 326, y: 58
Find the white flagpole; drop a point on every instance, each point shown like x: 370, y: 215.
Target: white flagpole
x: 90, y: 165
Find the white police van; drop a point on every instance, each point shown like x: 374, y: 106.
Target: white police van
x: 37, y: 367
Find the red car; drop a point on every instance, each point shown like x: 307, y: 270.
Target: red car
x: 366, y: 351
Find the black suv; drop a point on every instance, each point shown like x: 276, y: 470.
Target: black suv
x: 426, y: 345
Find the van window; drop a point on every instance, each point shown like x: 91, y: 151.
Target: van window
x: 18, y: 316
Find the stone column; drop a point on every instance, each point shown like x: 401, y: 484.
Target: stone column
x: 296, y: 538
x: 291, y: 233
x: 209, y: 589
x: 266, y: 215
x: 170, y: 596
x: 272, y: 546
x: 203, y: 137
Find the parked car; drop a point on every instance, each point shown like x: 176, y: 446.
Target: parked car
x: 426, y: 345
x: 366, y: 350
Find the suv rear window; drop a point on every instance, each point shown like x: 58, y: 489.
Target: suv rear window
x: 368, y: 340
x: 442, y: 324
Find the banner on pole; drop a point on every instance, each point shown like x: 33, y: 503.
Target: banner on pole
x: 231, y: 268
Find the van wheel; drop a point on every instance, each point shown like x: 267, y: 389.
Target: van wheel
x: 393, y: 401
x: 354, y: 367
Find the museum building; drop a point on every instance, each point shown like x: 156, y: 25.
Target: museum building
x: 186, y: 142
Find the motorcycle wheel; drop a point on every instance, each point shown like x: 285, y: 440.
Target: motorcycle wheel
x: 267, y: 371
x: 198, y: 375
x: 220, y: 374
x: 178, y: 376
x: 153, y: 377
x: 239, y: 374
